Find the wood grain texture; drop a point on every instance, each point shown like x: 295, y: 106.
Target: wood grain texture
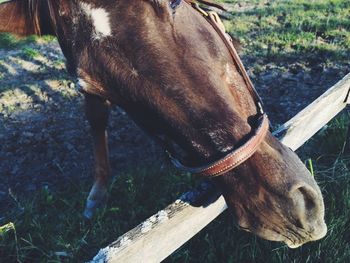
x: 161, y: 234
x: 306, y: 123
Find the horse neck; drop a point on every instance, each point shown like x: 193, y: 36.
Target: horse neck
x: 20, y: 17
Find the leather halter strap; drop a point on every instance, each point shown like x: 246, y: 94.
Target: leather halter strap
x: 244, y: 152
x: 234, y: 158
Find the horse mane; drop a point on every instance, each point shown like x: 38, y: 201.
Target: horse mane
x: 21, y: 17
x: 32, y: 9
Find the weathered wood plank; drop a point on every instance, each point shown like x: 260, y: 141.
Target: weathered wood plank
x: 160, y: 235
x: 306, y: 123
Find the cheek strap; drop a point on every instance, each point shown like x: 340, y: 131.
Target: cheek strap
x: 244, y: 152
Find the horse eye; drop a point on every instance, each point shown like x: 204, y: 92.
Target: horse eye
x: 174, y: 3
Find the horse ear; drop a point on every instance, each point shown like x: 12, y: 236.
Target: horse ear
x: 20, y: 17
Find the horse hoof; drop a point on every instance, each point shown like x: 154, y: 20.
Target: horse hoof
x: 88, y: 214
x: 90, y: 208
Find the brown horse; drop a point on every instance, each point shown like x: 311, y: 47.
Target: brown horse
x: 170, y: 70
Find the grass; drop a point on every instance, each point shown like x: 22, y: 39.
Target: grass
x: 45, y: 234
x: 285, y: 29
x: 9, y: 41
x: 47, y: 226
x: 30, y: 53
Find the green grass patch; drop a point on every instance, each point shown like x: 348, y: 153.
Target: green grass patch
x: 49, y: 227
x: 282, y: 29
x: 10, y: 41
x: 30, y: 53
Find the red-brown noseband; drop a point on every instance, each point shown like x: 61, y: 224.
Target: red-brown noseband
x: 244, y: 152
x: 234, y: 158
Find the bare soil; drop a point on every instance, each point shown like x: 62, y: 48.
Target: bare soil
x: 44, y: 137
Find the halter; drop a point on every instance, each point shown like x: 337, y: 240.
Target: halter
x: 244, y: 152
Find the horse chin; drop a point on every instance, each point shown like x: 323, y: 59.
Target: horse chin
x: 313, y: 238
x: 277, y: 237
x: 292, y: 245
x: 291, y: 240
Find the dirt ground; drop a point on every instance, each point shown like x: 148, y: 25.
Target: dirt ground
x: 44, y: 137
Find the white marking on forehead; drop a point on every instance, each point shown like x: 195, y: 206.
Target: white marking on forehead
x: 100, y: 20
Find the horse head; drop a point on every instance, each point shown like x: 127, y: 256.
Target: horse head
x: 168, y: 68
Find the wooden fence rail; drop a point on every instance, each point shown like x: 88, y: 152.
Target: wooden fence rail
x: 163, y: 233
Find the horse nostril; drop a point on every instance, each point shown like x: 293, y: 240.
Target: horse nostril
x: 307, y: 211
x: 308, y: 208
x: 309, y: 196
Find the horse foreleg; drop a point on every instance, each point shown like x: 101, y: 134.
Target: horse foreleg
x: 97, y: 112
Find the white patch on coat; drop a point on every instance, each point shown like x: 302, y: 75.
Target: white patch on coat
x: 100, y: 20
